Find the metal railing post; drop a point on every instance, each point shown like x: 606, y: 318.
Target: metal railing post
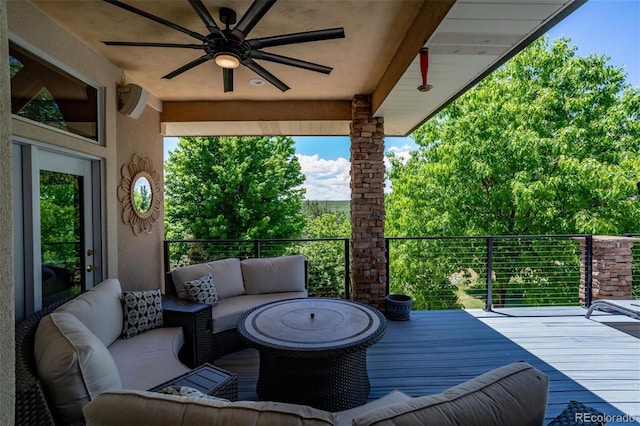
x: 347, y: 270
x: 256, y: 248
x: 167, y: 266
x: 386, y: 249
x: 488, y: 302
x: 588, y: 270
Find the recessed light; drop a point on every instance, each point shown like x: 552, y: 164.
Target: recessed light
x: 256, y: 82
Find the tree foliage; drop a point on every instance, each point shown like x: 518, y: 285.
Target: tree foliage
x: 325, y: 259
x: 233, y: 188
x: 547, y: 144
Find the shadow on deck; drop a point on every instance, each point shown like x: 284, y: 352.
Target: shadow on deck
x: 586, y: 360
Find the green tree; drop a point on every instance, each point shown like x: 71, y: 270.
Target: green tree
x: 325, y: 259
x: 233, y: 188
x: 547, y: 144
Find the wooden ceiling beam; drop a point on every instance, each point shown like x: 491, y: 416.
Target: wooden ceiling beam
x: 194, y: 111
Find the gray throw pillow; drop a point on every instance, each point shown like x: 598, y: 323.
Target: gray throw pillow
x: 142, y: 311
x: 202, y: 290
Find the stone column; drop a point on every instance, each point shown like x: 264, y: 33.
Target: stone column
x: 369, y: 262
x: 612, y: 262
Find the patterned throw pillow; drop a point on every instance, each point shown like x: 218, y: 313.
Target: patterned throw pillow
x: 142, y: 311
x: 576, y: 413
x: 202, y: 290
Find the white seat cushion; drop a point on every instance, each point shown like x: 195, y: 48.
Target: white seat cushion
x: 227, y: 312
x: 150, y: 358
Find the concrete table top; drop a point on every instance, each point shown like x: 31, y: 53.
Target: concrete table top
x: 312, y: 324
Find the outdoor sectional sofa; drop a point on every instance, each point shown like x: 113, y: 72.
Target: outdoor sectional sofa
x: 68, y: 353
x: 240, y: 286
x: 515, y: 394
x: 72, y: 366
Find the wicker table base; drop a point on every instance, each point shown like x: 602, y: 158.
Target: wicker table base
x: 333, y: 383
x: 313, y: 351
x: 207, y: 379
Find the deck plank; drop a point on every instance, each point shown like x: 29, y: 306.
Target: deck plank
x: 586, y: 360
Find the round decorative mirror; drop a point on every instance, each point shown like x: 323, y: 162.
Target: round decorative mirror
x: 140, y: 194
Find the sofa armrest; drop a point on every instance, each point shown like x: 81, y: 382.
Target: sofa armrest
x: 195, y: 320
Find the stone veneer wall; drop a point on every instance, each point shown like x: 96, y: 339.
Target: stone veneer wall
x: 369, y: 262
x: 612, y: 262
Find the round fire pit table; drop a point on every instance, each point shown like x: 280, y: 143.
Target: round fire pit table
x: 313, y: 351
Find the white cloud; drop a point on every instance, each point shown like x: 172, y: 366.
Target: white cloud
x: 326, y: 179
x: 330, y: 179
x: 403, y: 152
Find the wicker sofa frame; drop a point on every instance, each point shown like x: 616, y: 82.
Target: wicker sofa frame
x: 31, y: 404
x: 223, y: 342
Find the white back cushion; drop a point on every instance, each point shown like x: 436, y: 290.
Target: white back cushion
x: 273, y: 275
x: 515, y: 394
x: 72, y: 363
x: 149, y: 408
x: 226, y: 273
x: 100, y: 310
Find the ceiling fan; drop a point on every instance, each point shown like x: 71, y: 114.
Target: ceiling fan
x: 229, y: 48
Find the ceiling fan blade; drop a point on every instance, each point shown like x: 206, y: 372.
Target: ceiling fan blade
x: 144, y: 44
x: 206, y: 17
x: 304, y: 37
x: 157, y: 19
x: 187, y: 67
x: 253, y: 66
x: 272, y: 57
x: 227, y: 79
x: 251, y: 17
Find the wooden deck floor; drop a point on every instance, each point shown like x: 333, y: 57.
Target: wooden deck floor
x: 586, y: 360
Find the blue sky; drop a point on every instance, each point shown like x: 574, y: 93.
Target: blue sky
x: 610, y: 27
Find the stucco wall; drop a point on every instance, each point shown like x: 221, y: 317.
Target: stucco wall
x: 140, y: 256
x: 7, y: 351
x: 142, y: 266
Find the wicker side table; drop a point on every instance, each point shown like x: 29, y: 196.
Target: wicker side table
x: 209, y: 380
x: 195, y: 320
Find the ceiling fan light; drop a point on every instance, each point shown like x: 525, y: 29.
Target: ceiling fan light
x: 227, y: 60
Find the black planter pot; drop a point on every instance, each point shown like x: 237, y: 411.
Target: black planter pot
x: 398, y: 306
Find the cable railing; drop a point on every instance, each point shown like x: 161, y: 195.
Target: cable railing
x: 488, y: 272
x: 328, y: 263
x: 485, y: 272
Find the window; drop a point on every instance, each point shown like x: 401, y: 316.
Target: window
x: 44, y: 93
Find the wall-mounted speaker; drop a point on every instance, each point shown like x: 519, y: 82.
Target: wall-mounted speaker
x: 131, y: 100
